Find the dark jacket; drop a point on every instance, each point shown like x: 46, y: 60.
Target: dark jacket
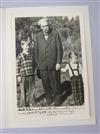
x: 48, y: 52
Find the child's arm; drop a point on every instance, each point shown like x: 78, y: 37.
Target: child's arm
x: 64, y: 69
x: 80, y: 69
x: 18, y: 67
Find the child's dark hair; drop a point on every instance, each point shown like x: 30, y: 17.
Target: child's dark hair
x: 70, y: 53
x: 24, y: 38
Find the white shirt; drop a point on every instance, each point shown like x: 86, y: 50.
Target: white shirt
x: 73, y: 66
x: 46, y: 37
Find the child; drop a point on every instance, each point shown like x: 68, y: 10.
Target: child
x: 25, y: 74
x: 75, y: 72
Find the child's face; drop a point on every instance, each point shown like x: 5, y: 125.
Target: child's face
x: 25, y: 46
x: 73, y: 56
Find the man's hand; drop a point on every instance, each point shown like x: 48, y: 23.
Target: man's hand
x: 58, y: 66
x: 19, y: 78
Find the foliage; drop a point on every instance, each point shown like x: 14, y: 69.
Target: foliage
x: 69, y: 30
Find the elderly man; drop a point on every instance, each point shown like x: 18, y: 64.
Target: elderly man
x: 48, y: 54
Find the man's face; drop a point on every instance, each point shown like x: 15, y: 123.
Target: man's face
x: 45, y: 27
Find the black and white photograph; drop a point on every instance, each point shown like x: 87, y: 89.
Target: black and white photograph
x: 49, y: 61
x: 49, y: 64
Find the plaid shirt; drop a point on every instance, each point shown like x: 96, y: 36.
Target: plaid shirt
x: 24, y: 65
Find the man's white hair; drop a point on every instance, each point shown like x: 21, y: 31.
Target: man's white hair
x: 42, y: 21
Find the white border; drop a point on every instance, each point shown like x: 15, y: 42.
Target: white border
x: 85, y: 116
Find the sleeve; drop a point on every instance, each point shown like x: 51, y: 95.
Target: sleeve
x: 80, y: 69
x: 18, y: 66
x: 59, y: 49
x: 36, y: 49
x: 65, y: 68
x: 33, y: 60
